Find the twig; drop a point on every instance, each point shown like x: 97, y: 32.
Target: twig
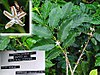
x: 20, y: 43
x: 67, y: 61
x: 66, y: 69
x: 70, y: 69
x: 81, y: 53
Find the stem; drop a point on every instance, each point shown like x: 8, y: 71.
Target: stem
x: 66, y: 69
x: 81, y: 54
x: 71, y: 69
x: 67, y: 61
x: 20, y: 43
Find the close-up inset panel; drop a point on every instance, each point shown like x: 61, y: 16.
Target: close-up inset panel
x: 15, y: 17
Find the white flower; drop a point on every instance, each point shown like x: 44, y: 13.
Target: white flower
x: 57, y: 43
x: 90, y: 34
x: 92, y: 29
x: 15, y: 17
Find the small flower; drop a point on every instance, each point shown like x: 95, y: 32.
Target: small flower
x: 92, y: 29
x: 15, y: 17
x: 90, y: 34
x: 57, y: 43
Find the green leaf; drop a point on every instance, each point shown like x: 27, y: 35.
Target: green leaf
x: 97, y: 55
x: 79, y: 70
x: 89, y: 55
x: 82, y: 7
x: 36, y: 2
x: 30, y: 42
x: 54, y: 17
x: 95, y: 20
x: 49, y: 64
x: 19, y: 28
x: 85, y: 68
x: 79, y: 19
x: 44, y: 47
x: 44, y: 41
x: 23, y: 39
x: 46, y: 7
x: 66, y: 26
x: 97, y: 36
x: 64, y: 30
x: 37, y: 18
x: 94, y: 41
x: 94, y: 72
x: 70, y: 39
x: 4, y: 42
x: 41, y: 31
x: 67, y: 8
x: 53, y: 53
x: 6, y: 4
x: 97, y: 63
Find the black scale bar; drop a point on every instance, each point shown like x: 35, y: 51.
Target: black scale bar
x: 23, y: 53
x: 24, y: 56
x: 22, y: 59
x: 28, y: 72
x: 10, y: 67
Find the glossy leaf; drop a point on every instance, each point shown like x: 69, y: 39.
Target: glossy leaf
x: 37, y: 18
x: 94, y: 41
x: 41, y: 31
x: 79, y: 19
x: 97, y: 55
x: 64, y: 30
x: 30, y: 42
x: 54, y: 17
x: 70, y: 39
x: 4, y: 42
x: 67, y: 8
x: 79, y: 70
x: 83, y: 7
x: 46, y: 9
x: 49, y: 64
x: 44, y: 47
x: 97, y: 36
x: 95, y: 20
x: 84, y: 64
x: 97, y: 63
x: 53, y: 53
x: 94, y: 72
x: 66, y: 26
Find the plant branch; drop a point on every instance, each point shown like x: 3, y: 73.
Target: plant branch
x: 66, y: 69
x: 67, y: 61
x: 82, y: 53
x: 20, y: 43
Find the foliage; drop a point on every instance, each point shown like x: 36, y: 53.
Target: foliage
x: 68, y: 22
x: 4, y: 42
x: 93, y: 72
